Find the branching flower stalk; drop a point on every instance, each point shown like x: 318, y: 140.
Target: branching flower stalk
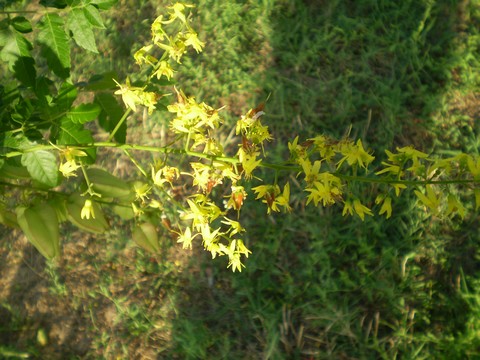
x: 208, y: 197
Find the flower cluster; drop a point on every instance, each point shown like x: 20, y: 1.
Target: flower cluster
x: 320, y: 160
x: 193, y: 119
x: 329, y: 166
x: 172, y: 37
x: 254, y: 134
x: 326, y: 166
x: 69, y: 162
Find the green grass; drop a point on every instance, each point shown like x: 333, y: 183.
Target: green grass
x: 318, y: 285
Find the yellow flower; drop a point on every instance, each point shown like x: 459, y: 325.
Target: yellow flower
x: 269, y: 193
x: 155, y: 204
x: 324, y: 146
x: 87, y: 210
x: 201, y: 211
x: 177, y: 12
x: 411, y: 153
x: 361, y: 210
x: 205, y: 177
x: 312, y: 172
x: 386, y: 206
x: 148, y: 99
x: 158, y: 34
x: 235, y: 263
x: 175, y: 51
x: 136, y: 210
x: 197, y: 214
x: 235, y: 226
x: 209, y: 237
x: 133, y: 96
x: 191, y: 39
x: 242, y: 249
x: 399, y: 187
x: 164, y: 69
x: 186, y: 239
x: 141, y: 56
x: 327, y: 190
x: 455, y: 206
x: 390, y: 168
x: 355, y: 154
x: 234, y: 255
x: 166, y: 174
x: 284, y: 199
x: 129, y: 95
x: 141, y: 190
x: 263, y: 190
x: 68, y: 168
x: 237, y: 198
x: 430, y: 200
x: 249, y: 163
x: 71, y: 153
x: 296, y: 151
x: 347, y: 208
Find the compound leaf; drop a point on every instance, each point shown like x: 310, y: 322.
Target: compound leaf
x: 54, y: 44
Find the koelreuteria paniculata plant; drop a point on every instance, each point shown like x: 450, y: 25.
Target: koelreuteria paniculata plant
x: 194, y: 189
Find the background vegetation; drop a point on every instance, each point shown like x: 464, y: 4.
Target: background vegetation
x: 317, y: 286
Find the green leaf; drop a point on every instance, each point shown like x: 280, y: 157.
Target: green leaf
x: 102, y: 81
x: 42, y: 166
x: 75, y: 3
x: 111, y: 114
x: 16, y: 52
x: 40, y: 225
x: 52, y: 108
x: 24, y: 69
x: 59, y: 4
x: 66, y: 96
x: 104, y: 4
x: 15, y: 172
x: 43, y: 90
x: 82, y: 31
x: 93, y: 16
x: 17, y: 45
x: 74, y: 134
x: 4, y: 32
x: 54, y: 44
x: 146, y: 236
x: 84, y: 113
x: 21, y: 24
x: 14, y: 140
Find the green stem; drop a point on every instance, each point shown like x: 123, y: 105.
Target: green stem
x: 135, y: 162
x: 30, y: 187
x: 405, y: 182
x: 18, y: 12
x: 120, y: 122
x: 232, y: 160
